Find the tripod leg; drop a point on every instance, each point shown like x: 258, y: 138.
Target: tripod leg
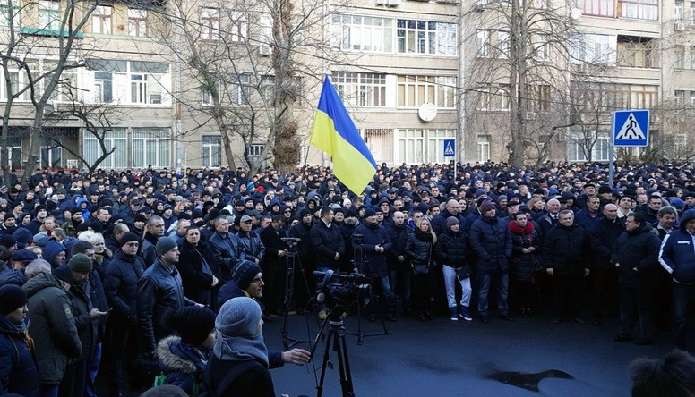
x: 289, y: 291
x: 344, y: 366
x: 324, y: 364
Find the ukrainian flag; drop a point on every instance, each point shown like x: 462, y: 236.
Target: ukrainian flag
x: 336, y: 134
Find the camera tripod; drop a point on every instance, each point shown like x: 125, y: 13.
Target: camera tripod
x: 293, y: 265
x: 359, y: 261
x: 335, y: 339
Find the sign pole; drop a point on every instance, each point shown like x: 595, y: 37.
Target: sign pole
x: 611, y: 165
x: 630, y: 129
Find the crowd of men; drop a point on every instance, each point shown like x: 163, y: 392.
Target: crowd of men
x: 123, y: 273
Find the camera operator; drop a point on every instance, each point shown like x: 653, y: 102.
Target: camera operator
x: 327, y: 242
x: 371, y: 239
x: 301, y: 231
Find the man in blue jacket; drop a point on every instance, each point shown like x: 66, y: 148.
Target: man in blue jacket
x: 677, y: 256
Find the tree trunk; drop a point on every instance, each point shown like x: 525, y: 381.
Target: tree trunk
x: 228, y: 152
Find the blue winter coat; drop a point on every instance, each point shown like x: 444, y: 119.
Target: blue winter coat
x: 18, y: 371
x: 374, y: 262
x: 492, y: 243
x: 677, y: 253
x: 121, y: 284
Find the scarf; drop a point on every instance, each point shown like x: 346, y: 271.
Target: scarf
x: 516, y: 229
x: 239, y: 348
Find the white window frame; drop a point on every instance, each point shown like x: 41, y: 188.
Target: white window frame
x: 50, y: 151
x: 419, y: 37
x: 5, y: 13
x: 49, y: 15
x: 421, y: 146
x: 483, y: 146
x: 156, y: 147
x: 137, y: 22
x: 362, y: 33
x: 361, y: 89
x: 208, y: 149
x: 138, y: 88
x: 646, y: 10
x: 431, y: 87
x: 116, y: 137
x: 102, y: 19
x: 600, y: 151
x: 239, y: 26
x: 210, y: 19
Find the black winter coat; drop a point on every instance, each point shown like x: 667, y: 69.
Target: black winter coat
x: 375, y: 262
x: 420, y: 249
x: 523, y: 265
x: 567, y: 250
x: 253, y: 381
x: 149, y: 249
x: 302, y: 231
x: 196, y: 272
x: 453, y: 250
x: 326, y: 242
x: 121, y: 285
x: 398, y: 236
x: 639, y: 250
x: 492, y: 243
x: 439, y: 221
x: 250, y: 246
x: 605, y: 234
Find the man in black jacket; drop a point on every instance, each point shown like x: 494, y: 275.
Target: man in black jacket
x: 636, y: 259
x: 273, y: 264
x: 302, y: 231
x: 397, y: 259
x: 605, y: 232
x: 153, y: 231
x: 327, y: 242
x: 565, y: 256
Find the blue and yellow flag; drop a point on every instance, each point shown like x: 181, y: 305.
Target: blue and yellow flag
x: 336, y: 134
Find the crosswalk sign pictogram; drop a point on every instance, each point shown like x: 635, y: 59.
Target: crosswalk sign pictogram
x: 631, y: 128
x: 449, y: 147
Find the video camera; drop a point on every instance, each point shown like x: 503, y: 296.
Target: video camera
x: 339, y: 290
x: 291, y: 242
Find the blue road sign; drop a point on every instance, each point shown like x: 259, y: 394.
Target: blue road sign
x: 631, y: 128
x: 449, y: 147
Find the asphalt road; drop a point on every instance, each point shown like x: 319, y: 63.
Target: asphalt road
x: 446, y: 358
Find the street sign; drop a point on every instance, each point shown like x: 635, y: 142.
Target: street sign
x: 631, y: 128
x: 449, y: 147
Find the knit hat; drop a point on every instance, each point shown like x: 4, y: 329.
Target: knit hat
x: 244, y: 272
x: 22, y: 236
x: 80, y: 263
x: 452, y: 220
x: 11, y: 298
x: 128, y: 237
x: 369, y: 211
x: 164, y: 245
x: 487, y: 206
x: 239, y: 317
x: 193, y: 324
x: 24, y: 255
x: 165, y: 391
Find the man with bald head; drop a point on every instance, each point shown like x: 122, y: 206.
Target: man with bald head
x: 603, y: 275
x: 549, y: 220
x: 398, y: 261
x: 452, y: 209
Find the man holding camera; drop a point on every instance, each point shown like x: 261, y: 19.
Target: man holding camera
x: 371, y: 241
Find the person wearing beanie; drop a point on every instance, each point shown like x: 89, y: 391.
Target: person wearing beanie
x: 453, y: 253
x: 239, y: 363
x: 54, y: 252
x: 491, y: 241
x: 160, y: 292
x: 22, y: 237
x: 183, y: 356
x: 121, y: 275
x: 74, y: 277
x: 18, y: 371
x: 246, y: 281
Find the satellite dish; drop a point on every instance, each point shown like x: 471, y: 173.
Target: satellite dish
x: 427, y: 112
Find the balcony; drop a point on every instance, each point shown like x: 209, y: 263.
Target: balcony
x: 29, y: 31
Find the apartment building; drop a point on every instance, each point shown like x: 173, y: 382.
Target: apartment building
x: 401, y: 67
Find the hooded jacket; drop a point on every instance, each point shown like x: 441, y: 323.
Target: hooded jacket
x: 52, y: 327
x: 181, y: 364
x: 677, y: 253
x: 18, y: 371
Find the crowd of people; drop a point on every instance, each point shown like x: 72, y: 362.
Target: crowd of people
x: 168, y: 275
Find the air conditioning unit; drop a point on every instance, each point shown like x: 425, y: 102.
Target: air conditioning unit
x: 264, y: 50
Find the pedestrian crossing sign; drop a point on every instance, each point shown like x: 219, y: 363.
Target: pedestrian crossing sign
x: 631, y: 128
x: 449, y: 148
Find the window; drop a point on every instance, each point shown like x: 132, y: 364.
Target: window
x: 137, y: 22
x: 493, y: 98
x: 679, y: 97
x: 594, y: 48
x: 640, y: 9
x: 361, y: 89
x: 239, y: 26
x: 680, y: 144
x: 678, y: 57
x: 51, y: 157
x: 692, y: 58
x: 138, y: 88
x: 115, y: 138
x: 211, y: 151
x: 10, y: 14
x: 49, y: 14
x: 240, y: 90
x: 103, y: 87
x: 415, y: 91
x: 415, y: 146
x: 426, y: 37
x: 692, y: 98
x: 492, y: 43
x: 146, y: 86
x: 540, y: 98
x: 105, y: 73
x: 637, y: 52
x: 151, y: 148
x: 580, y: 142
x: 254, y: 152
x: 206, y: 96
x: 362, y: 33
x: 484, y: 148
x: 101, y: 19
x: 597, y: 7
x: 210, y: 23
x: 541, y: 46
